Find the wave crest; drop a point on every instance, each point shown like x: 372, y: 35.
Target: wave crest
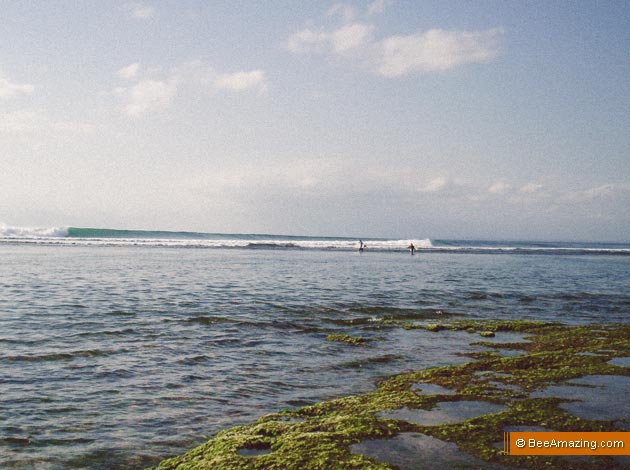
x: 7, y: 231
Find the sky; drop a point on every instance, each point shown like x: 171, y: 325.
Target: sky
x: 386, y: 118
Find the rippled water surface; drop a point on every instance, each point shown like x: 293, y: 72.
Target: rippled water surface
x: 116, y: 357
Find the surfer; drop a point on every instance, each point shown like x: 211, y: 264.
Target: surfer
x: 362, y: 246
x: 412, y: 248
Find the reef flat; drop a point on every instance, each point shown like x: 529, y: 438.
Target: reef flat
x: 511, y: 379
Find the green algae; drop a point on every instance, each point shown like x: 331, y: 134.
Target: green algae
x: 319, y: 436
x: 353, y: 340
x: 434, y: 328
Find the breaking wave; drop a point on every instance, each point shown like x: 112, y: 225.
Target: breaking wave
x: 32, y: 232
x: 172, y: 239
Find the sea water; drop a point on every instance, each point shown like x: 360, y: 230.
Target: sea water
x: 117, y: 351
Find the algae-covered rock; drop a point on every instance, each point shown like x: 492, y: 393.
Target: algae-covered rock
x: 354, y: 340
x: 434, y: 328
x: 322, y: 436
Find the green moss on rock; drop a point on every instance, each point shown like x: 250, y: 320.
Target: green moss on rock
x: 319, y: 436
x: 434, y: 328
x: 354, y: 340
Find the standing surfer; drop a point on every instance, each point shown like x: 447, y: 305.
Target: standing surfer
x: 362, y: 246
x: 412, y: 248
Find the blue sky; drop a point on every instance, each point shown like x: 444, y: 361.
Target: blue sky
x: 385, y: 118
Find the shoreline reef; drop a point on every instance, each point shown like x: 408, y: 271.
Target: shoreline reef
x: 511, y: 376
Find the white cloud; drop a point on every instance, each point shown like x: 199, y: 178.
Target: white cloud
x: 242, y: 81
x: 435, y: 50
x: 499, y: 187
x: 155, y: 90
x: 378, y: 6
x: 436, y: 184
x: 130, y: 71
x: 598, y: 193
x: 339, y: 41
x: 10, y: 89
x: 531, y: 188
x: 431, y: 51
x: 148, y: 95
x: 307, y: 41
x: 350, y: 37
x: 142, y: 11
x: 347, y: 12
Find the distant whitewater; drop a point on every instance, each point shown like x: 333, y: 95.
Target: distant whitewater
x: 161, y: 238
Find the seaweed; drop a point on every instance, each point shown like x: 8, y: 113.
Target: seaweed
x: 353, y: 340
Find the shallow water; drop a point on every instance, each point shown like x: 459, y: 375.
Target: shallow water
x: 444, y: 413
x: 116, y: 357
x: 620, y: 361
x: 415, y: 451
x: 431, y: 389
x: 596, y: 397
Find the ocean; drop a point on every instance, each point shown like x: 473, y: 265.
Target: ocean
x: 121, y: 348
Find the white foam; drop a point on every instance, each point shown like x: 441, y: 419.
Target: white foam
x: 58, y: 236
x: 7, y: 231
